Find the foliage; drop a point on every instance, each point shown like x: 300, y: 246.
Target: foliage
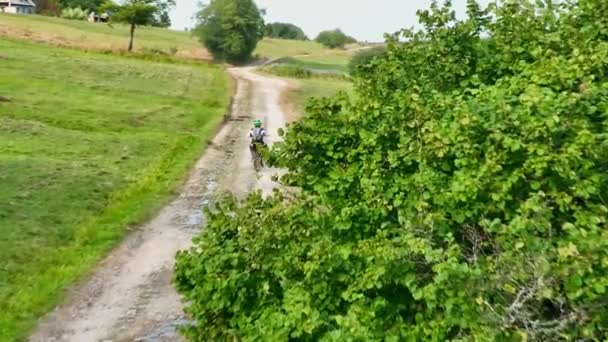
x: 48, y: 7
x: 364, y: 57
x: 91, y: 5
x: 80, y: 167
x: 162, y: 18
x: 334, y: 39
x: 459, y: 195
x: 138, y: 13
x: 284, y: 31
x: 74, y: 13
x: 230, y: 29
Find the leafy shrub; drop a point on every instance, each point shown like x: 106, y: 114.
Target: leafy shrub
x: 230, y: 29
x: 334, y: 39
x: 365, y: 56
x: 284, y: 31
x: 74, y: 13
x: 459, y: 195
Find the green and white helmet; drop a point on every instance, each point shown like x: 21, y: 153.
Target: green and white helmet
x: 257, y: 123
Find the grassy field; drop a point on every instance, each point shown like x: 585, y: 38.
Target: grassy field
x: 308, y: 54
x: 90, y: 145
x: 99, y: 36
x: 313, y: 87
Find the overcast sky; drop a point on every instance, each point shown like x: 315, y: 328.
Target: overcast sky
x: 362, y: 19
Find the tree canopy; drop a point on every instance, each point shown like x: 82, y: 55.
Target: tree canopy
x: 458, y: 195
x: 230, y: 29
x: 83, y: 4
x: 334, y: 39
x: 139, y: 13
x: 284, y: 31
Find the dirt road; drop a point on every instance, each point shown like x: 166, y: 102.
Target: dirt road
x: 130, y: 297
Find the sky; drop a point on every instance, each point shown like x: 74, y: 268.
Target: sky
x: 366, y: 20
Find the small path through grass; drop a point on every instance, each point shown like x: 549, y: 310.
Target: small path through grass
x: 130, y: 296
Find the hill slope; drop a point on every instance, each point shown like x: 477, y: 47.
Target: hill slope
x: 89, y: 145
x: 99, y: 36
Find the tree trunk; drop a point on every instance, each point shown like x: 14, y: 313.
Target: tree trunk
x: 131, y: 37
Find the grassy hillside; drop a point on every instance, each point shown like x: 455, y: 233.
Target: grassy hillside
x: 308, y: 54
x: 90, y: 144
x: 99, y: 36
x: 309, y: 88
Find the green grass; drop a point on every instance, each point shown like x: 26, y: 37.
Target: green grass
x: 98, y: 36
x: 90, y: 145
x: 309, y: 54
x: 315, y: 66
x: 309, y: 88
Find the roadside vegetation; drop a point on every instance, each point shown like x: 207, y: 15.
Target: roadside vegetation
x: 459, y: 194
x: 90, y: 145
x: 364, y: 57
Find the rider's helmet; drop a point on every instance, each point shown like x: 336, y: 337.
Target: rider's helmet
x: 257, y: 123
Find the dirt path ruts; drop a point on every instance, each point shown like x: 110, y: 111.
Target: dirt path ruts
x: 130, y: 297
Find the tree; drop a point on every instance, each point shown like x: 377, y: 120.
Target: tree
x: 284, y: 31
x: 162, y: 18
x: 48, y: 7
x: 458, y: 195
x: 230, y: 29
x: 334, y: 39
x: 136, y: 13
x: 91, y: 5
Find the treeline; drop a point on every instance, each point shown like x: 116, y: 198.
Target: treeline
x: 331, y: 38
x: 81, y: 8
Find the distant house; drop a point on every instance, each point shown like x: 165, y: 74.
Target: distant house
x: 17, y: 6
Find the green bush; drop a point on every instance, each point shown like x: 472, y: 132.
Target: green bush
x: 460, y: 195
x: 74, y: 14
x: 284, y: 31
x: 364, y: 57
x: 230, y: 29
x: 334, y: 39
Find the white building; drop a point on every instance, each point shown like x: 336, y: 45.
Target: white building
x: 17, y: 6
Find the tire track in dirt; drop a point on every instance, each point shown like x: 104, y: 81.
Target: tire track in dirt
x: 129, y: 297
